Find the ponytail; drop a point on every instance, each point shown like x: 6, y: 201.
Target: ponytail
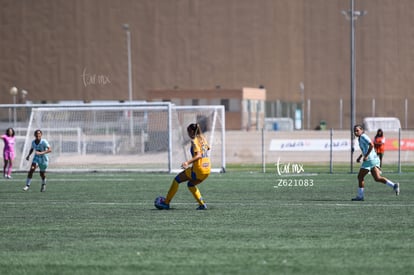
x: 195, y: 128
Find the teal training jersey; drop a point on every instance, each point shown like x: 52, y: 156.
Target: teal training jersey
x: 364, y: 142
x: 42, y: 146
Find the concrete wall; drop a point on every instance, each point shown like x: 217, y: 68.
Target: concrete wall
x: 76, y: 50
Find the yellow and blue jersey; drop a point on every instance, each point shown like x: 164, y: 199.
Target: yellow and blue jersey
x: 202, y: 165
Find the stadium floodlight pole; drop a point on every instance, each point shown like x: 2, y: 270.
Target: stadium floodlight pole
x: 14, y: 91
x: 24, y: 93
x: 302, y: 92
x: 131, y: 123
x: 128, y: 36
x: 353, y: 15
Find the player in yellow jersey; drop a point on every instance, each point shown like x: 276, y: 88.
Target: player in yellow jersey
x: 196, y: 170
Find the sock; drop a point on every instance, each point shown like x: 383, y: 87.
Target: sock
x: 28, y: 181
x: 44, y: 181
x: 196, y: 194
x: 390, y: 183
x: 173, y: 189
x: 10, y: 169
x: 361, y: 192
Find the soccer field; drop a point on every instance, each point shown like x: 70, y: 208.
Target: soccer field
x: 101, y: 223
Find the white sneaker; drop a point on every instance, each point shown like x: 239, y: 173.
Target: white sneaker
x: 26, y: 188
x: 397, y: 188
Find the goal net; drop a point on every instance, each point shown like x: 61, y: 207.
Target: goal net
x: 125, y: 137
x: 387, y: 124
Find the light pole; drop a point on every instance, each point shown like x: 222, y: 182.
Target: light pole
x: 352, y: 15
x: 24, y: 94
x: 14, y: 92
x: 131, y: 123
x: 128, y: 36
x: 302, y: 91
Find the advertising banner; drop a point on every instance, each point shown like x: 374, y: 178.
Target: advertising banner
x: 337, y: 145
x: 309, y: 145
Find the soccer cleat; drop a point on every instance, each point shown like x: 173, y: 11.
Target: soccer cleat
x: 358, y: 198
x: 26, y: 188
x: 43, y: 188
x: 202, y: 207
x: 163, y: 205
x: 397, y: 188
x: 8, y: 177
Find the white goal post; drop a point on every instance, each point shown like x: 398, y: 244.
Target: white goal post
x: 147, y: 137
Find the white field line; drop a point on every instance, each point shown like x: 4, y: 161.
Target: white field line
x: 356, y: 204
x: 51, y: 180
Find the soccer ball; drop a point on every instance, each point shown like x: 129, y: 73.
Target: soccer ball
x: 158, y: 201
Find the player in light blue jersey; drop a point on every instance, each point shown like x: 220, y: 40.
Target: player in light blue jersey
x: 41, y: 148
x: 370, y: 163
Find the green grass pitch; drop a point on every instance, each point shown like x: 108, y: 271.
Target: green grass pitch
x: 257, y: 223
